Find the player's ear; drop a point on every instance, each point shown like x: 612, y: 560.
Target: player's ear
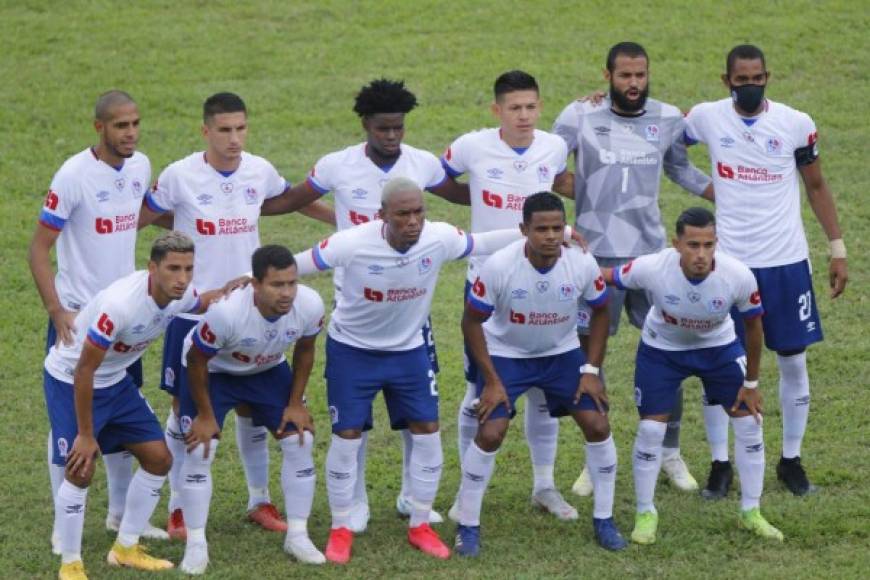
x: 606, y: 74
x: 152, y: 267
x: 205, y: 130
x: 524, y: 229
x: 725, y: 81
x: 495, y: 108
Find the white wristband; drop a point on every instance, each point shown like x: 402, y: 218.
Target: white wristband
x: 566, y: 235
x: 589, y: 369
x: 750, y: 384
x: 838, y: 248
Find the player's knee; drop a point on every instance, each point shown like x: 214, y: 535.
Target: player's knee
x: 491, y: 434
x: 158, y: 463
x: 788, y: 353
x: 79, y: 479
x: 423, y: 428
x: 243, y: 410
x: 349, y: 433
x: 595, y: 426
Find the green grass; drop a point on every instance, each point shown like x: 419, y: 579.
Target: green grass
x: 298, y: 66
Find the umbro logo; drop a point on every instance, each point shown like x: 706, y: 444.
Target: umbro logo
x: 755, y: 448
x: 339, y: 475
x: 644, y: 456
x: 258, y: 437
x: 473, y: 477
x: 305, y: 473
x: 74, y: 509
x: 601, y: 130
x: 196, y: 478
x: 607, y: 469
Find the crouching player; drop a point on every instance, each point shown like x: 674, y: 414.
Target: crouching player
x: 520, y: 324
x: 689, y: 332
x: 235, y: 355
x: 94, y: 405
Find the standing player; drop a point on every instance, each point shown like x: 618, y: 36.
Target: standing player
x: 356, y: 176
x: 91, y: 210
x: 621, y: 145
x: 215, y: 196
x: 758, y: 148
x: 94, y: 405
x: 520, y: 326
x: 235, y: 355
x: 375, y: 343
x: 689, y: 332
x: 504, y: 165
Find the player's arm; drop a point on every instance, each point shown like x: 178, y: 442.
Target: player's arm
x: 320, y: 211
x: 494, y: 393
x: 151, y: 215
x: 822, y: 202
x: 293, y: 199
x: 749, y: 393
x: 563, y: 184
x: 453, y: 191
x: 296, y: 412
x: 204, y: 427
x: 683, y: 172
x: 590, y: 382
x: 39, y: 258
x: 85, y: 447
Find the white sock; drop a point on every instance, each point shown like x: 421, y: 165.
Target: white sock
x: 196, y: 486
x: 426, y: 463
x: 407, y: 448
x: 298, y: 476
x: 119, y: 474
x: 360, y: 493
x: 646, y: 462
x: 716, y: 424
x: 142, y: 498
x: 794, y: 397
x: 467, y: 421
x: 178, y: 449
x: 542, y: 435
x: 341, y: 466
x: 601, y: 460
x: 749, y: 456
x: 70, y: 504
x: 477, y: 468
x: 253, y: 443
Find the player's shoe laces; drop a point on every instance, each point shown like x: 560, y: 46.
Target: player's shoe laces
x: 678, y: 474
x: 300, y: 547
x: 791, y: 473
x: 645, y: 526
x: 72, y: 571
x: 195, y: 559
x: 175, y: 526
x: 467, y: 542
x: 551, y: 500
x: 607, y: 534
x: 719, y: 481
x: 136, y: 557
x: 753, y: 521
x: 359, y: 518
x: 151, y: 532
x: 583, y: 485
x: 403, y: 506
x: 425, y: 539
x: 338, y: 546
x: 267, y: 517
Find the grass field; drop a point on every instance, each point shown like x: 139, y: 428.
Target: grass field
x: 298, y: 66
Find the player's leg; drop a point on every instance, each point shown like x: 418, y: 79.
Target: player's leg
x: 542, y: 436
x: 55, y: 472
x: 253, y: 444
x: 716, y: 423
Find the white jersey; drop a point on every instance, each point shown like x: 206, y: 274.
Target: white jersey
x: 357, y: 182
x: 500, y: 178
x: 534, y: 313
x: 241, y: 341
x: 755, y: 176
x: 122, y: 320
x: 220, y: 213
x: 387, y: 294
x: 95, y: 207
x: 690, y: 314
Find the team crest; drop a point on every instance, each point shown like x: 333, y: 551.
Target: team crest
x: 520, y: 165
x: 333, y: 414
x: 425, y: 265
x: 103, y: 195
x: 157, y: 319
x: 566, y: 292
x: 638, y: 396
x: 693, y: 296
x: 62, y: 446
x: 542, y: 286
x: 774, y: 146
x: 582, y: 319
x: 119, y: 183
x: 652, y: 133
x: 290, y: 334
x: 169, y: 377
x: 250, y: 195
x: 227, y: 187
x: 543, y: 174
x: 716, y: 305
x: 185, y: 423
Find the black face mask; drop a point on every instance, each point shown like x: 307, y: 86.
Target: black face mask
x: 748, y: 97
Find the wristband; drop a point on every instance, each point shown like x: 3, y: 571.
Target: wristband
x: 838, y: 248
x: 566, y: 236
x: 589, y: 369
x: 750, y: 384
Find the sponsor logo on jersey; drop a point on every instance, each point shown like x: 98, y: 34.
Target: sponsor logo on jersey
x: 270, y: 333
x: 359, y: 193
x: 566, y: 292
x: 627, y: 157
x: 103, y: 226
x: 373, y: 295
x: 227, y: 187
x: 105, y: 325
x: 542, y: 286
x: 403, y: 294
x: 651, y: 132
x: 716, y: 305
x: 492, y: 199
x: 241, y: 357
x: 357, y: 218
x: 103, y: 195
x: 755, y: 298
x: 51, y: 200
x: 543, y: 174
x: 204, y: 199
x: 206, y: 333
x: 519, y: 294
x: 248, y: 341
x: 376, y: 270
x: 601, y: 130
x: 494, y: 173
x: 205, y: 227
x: 747, y: 174
x: 124, y: 347
x: 521, y: 165
x: 773, y: 145
x: 425, y: 265
x: 250, y: 196
x: 600, y: 285
x: 517, y: 317
x: 726, y: 142
x: 120, y: 183
x: 672, y: 300
x: 626, y: 268
x: 478, y: 288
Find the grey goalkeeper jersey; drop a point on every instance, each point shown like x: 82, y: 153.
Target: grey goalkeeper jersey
x: 618, y: 169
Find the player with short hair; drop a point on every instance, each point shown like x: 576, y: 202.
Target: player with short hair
x: 504, y: 165
x: 356, y: 176
x: 374, y: 343
x: 520, y: 325
x: 757, y: 149
x: 622, y: 145
x: 215, y: 197
x: 235, y: 355
x: 94, y: 405
x: 91, y: 210
x: 689, y: 332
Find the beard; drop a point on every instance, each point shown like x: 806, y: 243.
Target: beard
x: 628, y: 105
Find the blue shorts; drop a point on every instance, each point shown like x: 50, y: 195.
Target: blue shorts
x: 173, y: 348
x: 558, y: 376
x: 267, y: 393
x: 355, y: 375
x: 134, y: 369
x: 791, y: 321
x: 121, y: 416
x: 658, y: 374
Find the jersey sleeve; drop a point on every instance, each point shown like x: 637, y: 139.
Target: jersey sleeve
x: 275, y: 184
x: 436, y: 175
x: 161, y: 197
x: 60, y: 202
x: 562, y: 157
x: 190, y: 303
x: 212, y: 332
x: 677, y: 166
x: 695, y: 125
x: 634, y: 274
x: 594, y: 289
x: 321, y: 178
x: 336, y: 250
x: 315, y: 314
x: 747, y: 297
x: 457, y: 243
x: 456, y: 158
x: 566, y: 126
x: 103, y: 330
x: 806, y: 137
x: 484, y: 292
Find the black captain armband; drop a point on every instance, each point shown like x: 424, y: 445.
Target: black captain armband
x: 807, y: 154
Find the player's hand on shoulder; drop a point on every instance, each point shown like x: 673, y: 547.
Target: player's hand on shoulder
x: 578, y: 240
x: 838, y: 276
x: 493, y: 395
x: 64, y: 324
x: 236, y: 283
x: 591, y: 385
x: 297, y: 414
x: 594, y: 98
x: 202, y: 430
